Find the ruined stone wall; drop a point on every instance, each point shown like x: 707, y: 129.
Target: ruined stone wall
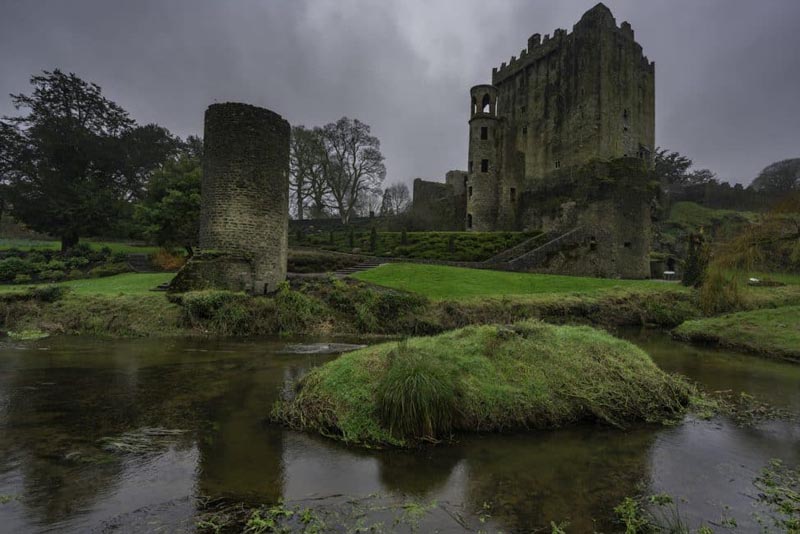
x: 609, y: 204
x: 577, y: 97
x: 244, y: 201
x: 436, y: 206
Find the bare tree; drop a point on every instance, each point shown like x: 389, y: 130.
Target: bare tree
x: 354, y: 164
x: 307, y: 163
x: 396, y: 199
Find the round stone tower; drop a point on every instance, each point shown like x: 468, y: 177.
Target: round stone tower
x: 244, y: 211
x: 483, y: 165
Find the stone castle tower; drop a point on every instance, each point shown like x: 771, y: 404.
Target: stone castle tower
x: 244, y: 209
x: 565, y: 101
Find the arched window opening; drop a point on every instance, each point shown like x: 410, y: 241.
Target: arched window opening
x: 469, y: 220
x: 486, y: 104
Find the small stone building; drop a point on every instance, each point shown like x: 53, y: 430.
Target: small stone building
x: 245, y: 202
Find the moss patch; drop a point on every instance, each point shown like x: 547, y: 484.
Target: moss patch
x: 483, y: 378
x: 771, y: 332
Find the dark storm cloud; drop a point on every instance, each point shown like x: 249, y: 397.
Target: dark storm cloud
x: 727, y: 71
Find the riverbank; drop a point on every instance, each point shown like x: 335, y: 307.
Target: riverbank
x: 482, y: 379
x: 773, y: 332
x: 124, y: 306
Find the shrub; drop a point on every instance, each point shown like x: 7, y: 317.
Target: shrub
x: 22, y: 279
x: 36, y: 258
x: 296, y: 311
x: 56, y: 265
x: 12, y: 266
x: 52, y: 274
x: 109, y: 269
x: 118, y: 257
x: 48, y: 293
x: 80, y: 250
x: 75, y: 274
x: 76, y: 262
x: 167, y: 260
x: 224, y: 312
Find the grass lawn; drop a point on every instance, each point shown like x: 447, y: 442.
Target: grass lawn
x: 125, y: 284
x: 441, y: 282
x: 770, y: 331
x: 28, y: 244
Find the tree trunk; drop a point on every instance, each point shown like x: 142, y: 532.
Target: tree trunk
x: 299, y: 208
x: 189, y: 250
x: 69, y: 240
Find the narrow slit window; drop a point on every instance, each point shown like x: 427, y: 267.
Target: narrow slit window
x: 469, y: 220
x: 484, y: 165
x: 513, y: 194
x: 484, y: 132
x: 469, y: 191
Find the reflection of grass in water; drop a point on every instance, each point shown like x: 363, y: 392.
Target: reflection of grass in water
x: 141, y: 441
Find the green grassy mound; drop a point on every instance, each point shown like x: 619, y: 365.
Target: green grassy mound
x: 771, y: 332
x: 482, y: 378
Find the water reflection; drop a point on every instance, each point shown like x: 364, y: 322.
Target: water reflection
x: 59, y: 397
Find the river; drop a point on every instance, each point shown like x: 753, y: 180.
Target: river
x: 142, y: 435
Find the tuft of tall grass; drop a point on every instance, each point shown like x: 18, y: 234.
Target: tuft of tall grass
x: 416, y: 399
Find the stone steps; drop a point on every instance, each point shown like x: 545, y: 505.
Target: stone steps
x: 520, y: 249
x: 536, y: 256
x: 363, y: 266
x: 140, y: 263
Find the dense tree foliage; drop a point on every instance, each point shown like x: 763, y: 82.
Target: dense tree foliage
x: 779, y: 177
x: 169, y: 213
x: 672, y: 168
x: 74, y: 159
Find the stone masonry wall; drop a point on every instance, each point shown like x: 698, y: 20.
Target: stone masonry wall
x: 245, y: 200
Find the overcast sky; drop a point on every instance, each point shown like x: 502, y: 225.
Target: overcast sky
x: 727, y: 71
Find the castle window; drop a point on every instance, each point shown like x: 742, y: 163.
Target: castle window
x: 523, y: 109
x: 484, y: 165
x: 469, y: 191
x: 558, y: 164
x: 484, y: 132
x: 513, y: 195
x: 592, y: 243
x: 486, y: 104
x: 524, y: 130
x: 627, y: 244
x: 624, y: 114
x: 474, y: 105
x: 469, y: 220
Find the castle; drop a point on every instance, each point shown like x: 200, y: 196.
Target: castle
x: 561, y: 141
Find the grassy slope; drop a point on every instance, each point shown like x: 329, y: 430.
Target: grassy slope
x: 773, y: 331
x: 121, y: 284
x: 692, y: 215
x: 482, y: 378
x: 441, y: 282
x: 28, y: 244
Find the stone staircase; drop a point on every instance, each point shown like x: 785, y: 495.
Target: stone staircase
x: 363, y: 266
x: 140, y: 263
x: 520, y: 249
x: 536, y: 257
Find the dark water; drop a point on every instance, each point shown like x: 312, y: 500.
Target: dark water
x: 192, y: 414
